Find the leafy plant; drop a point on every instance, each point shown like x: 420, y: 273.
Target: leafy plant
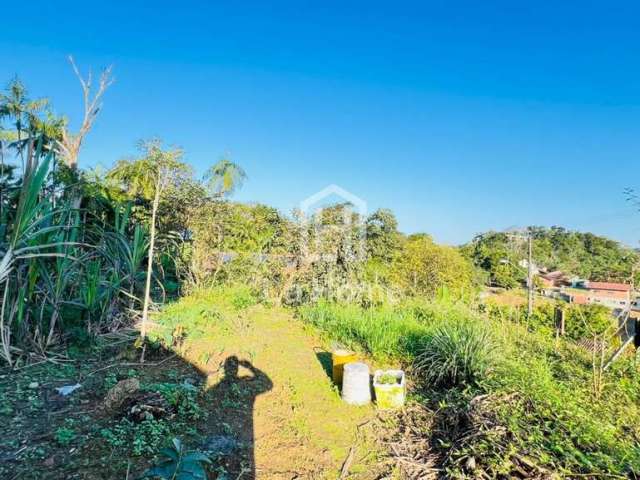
x: 64, y: 436
x: 181, y: 396
x: 456, y: 353
x: 179, y: 464
x: 388, y: 379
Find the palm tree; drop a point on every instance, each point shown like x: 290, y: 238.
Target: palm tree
x: 2, y: 179
x: 16, y: 104
x: 224, y: 178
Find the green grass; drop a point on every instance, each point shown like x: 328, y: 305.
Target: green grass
x: 196, y: 314
x: 539, y: 389
x: 383, y: 332
x: 458, y: 352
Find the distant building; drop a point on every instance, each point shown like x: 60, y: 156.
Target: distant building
x: 554, y: 279
x: 608, y: 294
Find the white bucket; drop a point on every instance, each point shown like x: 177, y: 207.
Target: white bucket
x: 356, y: 389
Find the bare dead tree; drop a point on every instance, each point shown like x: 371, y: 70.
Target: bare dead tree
x: 71, y: 142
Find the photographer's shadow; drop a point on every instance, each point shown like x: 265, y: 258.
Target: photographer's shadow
x: 234, y: 398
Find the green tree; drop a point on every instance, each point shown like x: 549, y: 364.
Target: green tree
x: 424, y: 268
x: 16, y: 105
x: 149, y: 177
x: 576, y: 253
x: 224, y: 178
x: 383, y: 238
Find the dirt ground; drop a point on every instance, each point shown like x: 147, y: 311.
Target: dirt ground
x: 282, y: 402
x: 265, y: 401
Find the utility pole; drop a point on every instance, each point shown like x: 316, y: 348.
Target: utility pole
x: 528, y: 235
x: 530, y: 276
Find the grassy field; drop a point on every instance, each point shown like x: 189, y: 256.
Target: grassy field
x: 247, y: 384
x: 531, y: 403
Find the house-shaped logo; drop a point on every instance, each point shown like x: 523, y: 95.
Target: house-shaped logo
x: 353, y: 216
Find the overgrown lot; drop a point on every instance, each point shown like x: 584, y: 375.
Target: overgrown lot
x: 47, y: 435
x: 277, y: 415
x: 507, y: 401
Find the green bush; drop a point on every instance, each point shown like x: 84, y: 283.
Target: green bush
x: 142, y: 438
x: 64, y: 436
x: 242, y: 298
x: 423, y: 268
x: 585, y: 321
x: 456, y: 353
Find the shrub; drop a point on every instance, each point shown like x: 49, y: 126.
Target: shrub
x: 585, y: 321
x: 424, y: 268
x: 242, y: 298
x: 456, y: 353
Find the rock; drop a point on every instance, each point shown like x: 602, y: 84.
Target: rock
x: 34, y: 385
x: 120, y: 394
x: 221, y: 445
x: 470, y: 464
x: 148, y: 406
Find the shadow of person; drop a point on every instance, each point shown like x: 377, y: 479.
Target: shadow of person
x: 234, y: 398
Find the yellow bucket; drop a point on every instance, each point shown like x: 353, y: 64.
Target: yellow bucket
x: 340, y: 358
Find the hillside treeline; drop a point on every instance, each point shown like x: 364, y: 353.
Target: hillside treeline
x: 584, y: 255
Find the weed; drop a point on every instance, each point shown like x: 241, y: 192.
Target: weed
x: 178, y: 463
x: 456, y: 353
x: 242, y: 298
x: 144, y: 438
x: 64, y: 436
x: 183, y: 397
x: 110, y: 380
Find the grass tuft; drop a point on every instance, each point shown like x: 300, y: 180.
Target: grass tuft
x: 455, y: 354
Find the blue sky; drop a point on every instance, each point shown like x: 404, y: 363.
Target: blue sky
x: 459, y: 116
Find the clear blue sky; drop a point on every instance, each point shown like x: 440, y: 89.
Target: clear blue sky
x: 459, y: 116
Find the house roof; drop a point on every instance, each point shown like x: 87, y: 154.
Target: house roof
x: 554, y: 275
x: 618, y: 287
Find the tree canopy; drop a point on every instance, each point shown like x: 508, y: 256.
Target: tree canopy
x: 584, y: 255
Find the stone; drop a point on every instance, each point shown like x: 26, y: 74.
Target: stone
x: 119, y: 394
x: 470, y: 464
x: 221, y: 445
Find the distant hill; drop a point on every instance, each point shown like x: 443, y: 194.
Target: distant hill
x: 577, y: 253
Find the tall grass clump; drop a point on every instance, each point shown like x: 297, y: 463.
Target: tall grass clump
x: 384, y: 331
x: 456, y: 353
x: 68, y: 263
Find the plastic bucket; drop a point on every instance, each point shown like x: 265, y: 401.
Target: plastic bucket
x: 339, y: 358
x: 389, y: 395
x: 356, y: 387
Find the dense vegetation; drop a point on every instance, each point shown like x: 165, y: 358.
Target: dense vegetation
x: 84, y: 253
x: 583, y: 255
x: 512, y: 398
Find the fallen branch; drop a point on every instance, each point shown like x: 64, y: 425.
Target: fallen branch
x: 347, y: 463
x: 131, y: 364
